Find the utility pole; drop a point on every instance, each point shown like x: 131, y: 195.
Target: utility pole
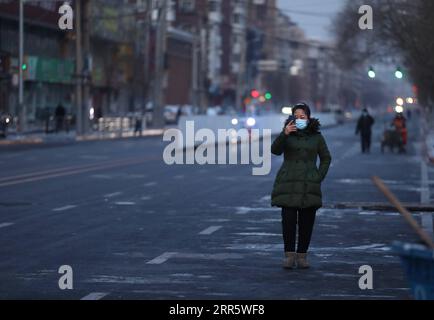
x: 87, y: 77
x: 22, y: 109
x: 242, y: 69
x: 146, y: 55
x: 203, y: 67
x: 195, y: 71
x: 78, y: 69
x: 160, y: 55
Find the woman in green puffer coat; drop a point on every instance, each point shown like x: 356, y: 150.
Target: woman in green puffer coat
x: 297, y: 188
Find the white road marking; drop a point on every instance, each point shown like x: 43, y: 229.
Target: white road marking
x: 210, y: 230
x: 95, y: 296
x: 101, y: 176
x: 265, y: 198
x: 65, y: 208
x: 146, y: 198
x: 369, y: 246
x: 261, y: 234
x: 357, y: 295
x: 150, y: 184
x: 208, y: 256
x: 349, y: 153
x: 368, y: 213
x: 5, y: 224
x: 114, y: 194
x: 125, y: 203
x: 93, y: 157
x: 162, y: 258
x: 244, y: 210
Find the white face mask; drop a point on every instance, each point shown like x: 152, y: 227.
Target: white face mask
x: 301, y: 124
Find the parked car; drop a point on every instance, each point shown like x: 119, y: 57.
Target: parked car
x: 5, y: 121
x: 171, y: 114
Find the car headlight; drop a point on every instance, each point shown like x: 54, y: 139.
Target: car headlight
x: 251, y: 122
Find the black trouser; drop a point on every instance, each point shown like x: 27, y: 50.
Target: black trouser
x: 366, y: 142
x: 305, y: 219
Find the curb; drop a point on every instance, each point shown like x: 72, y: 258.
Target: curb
x: 53, y: 142
x: 380, y: 206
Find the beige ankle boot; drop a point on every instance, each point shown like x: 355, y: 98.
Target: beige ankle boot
x: 289, y: 262
x: 302, y: 261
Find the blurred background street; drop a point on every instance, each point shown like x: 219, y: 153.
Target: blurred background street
x: 89, y: 87
x: 110, y: 208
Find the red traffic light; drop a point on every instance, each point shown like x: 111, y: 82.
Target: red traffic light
x: 255, y: 94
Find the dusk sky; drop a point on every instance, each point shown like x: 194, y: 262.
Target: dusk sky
x: 313, y: 16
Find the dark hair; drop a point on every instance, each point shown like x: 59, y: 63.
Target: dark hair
x: 303, y: 106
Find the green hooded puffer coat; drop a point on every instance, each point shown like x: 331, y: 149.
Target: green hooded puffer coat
x: 298, y: 181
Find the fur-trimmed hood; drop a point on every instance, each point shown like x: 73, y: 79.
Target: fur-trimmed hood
x: 314, y: 125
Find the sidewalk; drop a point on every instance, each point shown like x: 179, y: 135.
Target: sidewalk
x: 28, y: 139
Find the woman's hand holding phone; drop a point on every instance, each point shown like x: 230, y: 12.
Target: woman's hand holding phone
x: 291, y: 127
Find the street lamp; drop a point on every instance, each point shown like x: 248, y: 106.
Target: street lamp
x: 399, y: 109
x: 400, y: 101
x: 287, y: 110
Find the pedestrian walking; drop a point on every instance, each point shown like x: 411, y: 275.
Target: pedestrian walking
x: 297, y: 187
x: 400, y: 124
x: 364, y: 127
x: 138, y: 127
x: 59, y: 115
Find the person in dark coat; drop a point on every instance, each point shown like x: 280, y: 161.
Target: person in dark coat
x: 364, y: 127
x: 59, y: 114
x: 297, y: 187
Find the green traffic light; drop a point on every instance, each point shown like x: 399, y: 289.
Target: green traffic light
x: 24, y: 67
x: 268, y: 96
x: 399, y: 74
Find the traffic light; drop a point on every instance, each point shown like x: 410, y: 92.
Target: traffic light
x: 371, y: 73
x: 25, y: 67
x: 398, y: 73
x: 268, y: 96
x: 255, y: 94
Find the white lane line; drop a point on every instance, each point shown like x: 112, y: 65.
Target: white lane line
x: 349, y: 153
x: 95, y: 296
x: 162, y: 258
x: 125, y: 203
x: 64, y: 208
x: 5, y: 224
x: 210, y: 230
x: 146, y: 198
x: 114, y: 194
x: 150, y: 184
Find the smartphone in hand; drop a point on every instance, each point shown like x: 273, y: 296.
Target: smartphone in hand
x: 290, y: 118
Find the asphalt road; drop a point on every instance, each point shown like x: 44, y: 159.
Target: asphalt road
x: 132, y: 227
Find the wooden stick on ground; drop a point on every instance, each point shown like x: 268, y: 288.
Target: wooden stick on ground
x: 404, y: 212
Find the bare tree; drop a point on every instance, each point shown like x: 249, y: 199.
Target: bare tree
x: 404, y: 28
